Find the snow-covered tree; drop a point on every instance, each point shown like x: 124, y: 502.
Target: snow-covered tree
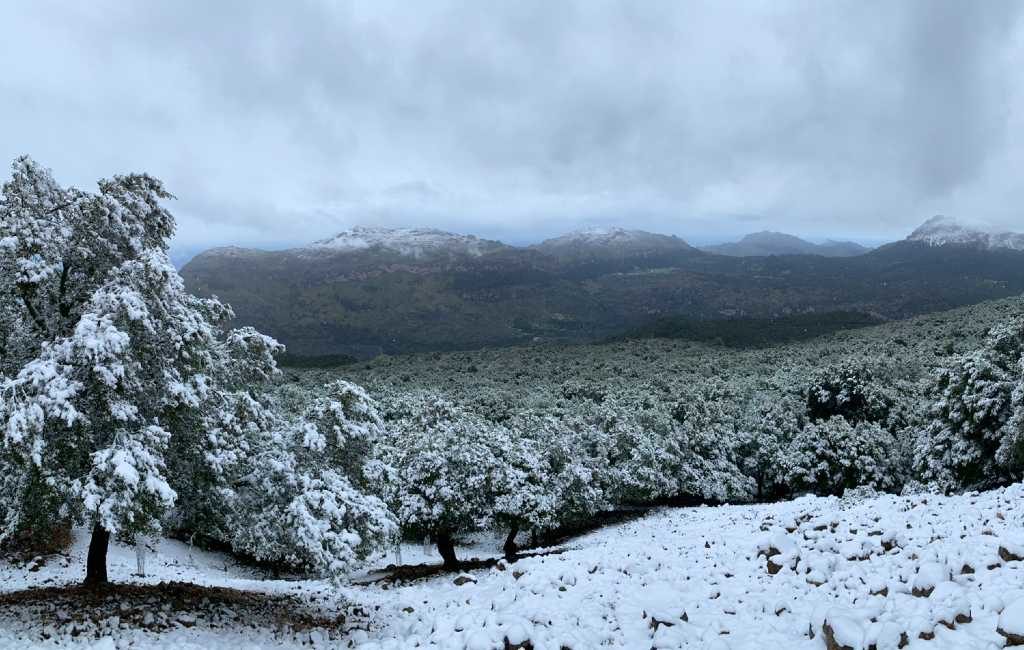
x: 547, y: 477
x: 709, y: 440
x: 125, y: 402
x: 848, y: 390
x: 302, y: 496
x: 437, y: 472
x: 975, y: 433
x: 829, y: 456
x: 765, y: 430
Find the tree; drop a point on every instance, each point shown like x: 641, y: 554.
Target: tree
x: 830, y: 456
x: 975, y: 433
x: 301, y: 498
x: 437, y: 471
x: 126, y: 402
x: 546, y: 478
x: 766, y: 428
x: 849, y: 390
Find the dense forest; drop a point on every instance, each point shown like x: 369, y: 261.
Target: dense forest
x: 531, y: 438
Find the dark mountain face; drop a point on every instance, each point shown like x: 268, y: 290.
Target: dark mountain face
x: 761, y: 244
x: 385, y: 297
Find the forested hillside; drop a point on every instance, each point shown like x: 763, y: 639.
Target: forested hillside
x: 408, y: 290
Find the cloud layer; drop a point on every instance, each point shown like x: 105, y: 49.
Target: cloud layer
x: 277, y: 123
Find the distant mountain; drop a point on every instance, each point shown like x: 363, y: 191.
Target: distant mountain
x: 761, y: 244
x: 941, y: 230
x: 372, y: 291
x: 611, y: 243
x: 418, y: 243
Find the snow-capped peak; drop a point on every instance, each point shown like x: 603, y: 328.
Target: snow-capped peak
x: 608, y: 236
x: 413, y: 242
x: 941, y: 230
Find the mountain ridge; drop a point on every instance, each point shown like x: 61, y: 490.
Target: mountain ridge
x: 376, y: 299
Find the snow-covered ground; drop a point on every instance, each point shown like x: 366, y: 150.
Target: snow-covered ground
x: 925, y: 571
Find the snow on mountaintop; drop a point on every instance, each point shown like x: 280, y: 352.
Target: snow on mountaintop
x: 885, y: 571
x: 611, y: 237
x: 413, y: 242
x: 941, y: 230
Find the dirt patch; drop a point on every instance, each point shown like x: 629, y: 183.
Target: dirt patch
x: 78, y: 611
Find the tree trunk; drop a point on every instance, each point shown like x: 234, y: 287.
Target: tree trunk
x: 446, y: 547
x: 96, y: 564
x: 510, y: 547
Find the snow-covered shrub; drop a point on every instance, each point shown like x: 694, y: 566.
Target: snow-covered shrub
x: 975, y: 433
x: 830, y: 456
x: 849, y: 390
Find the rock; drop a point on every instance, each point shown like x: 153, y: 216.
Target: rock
x: 841, y: 632
x: 830, y: 638
x: 1011, y: 623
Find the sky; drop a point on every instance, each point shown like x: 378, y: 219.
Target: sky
x: 279, y: 123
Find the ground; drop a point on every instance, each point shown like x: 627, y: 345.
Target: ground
x: 919, y: 571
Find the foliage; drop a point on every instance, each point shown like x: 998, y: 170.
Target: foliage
x: 975, y: 433
x: 129, y: 404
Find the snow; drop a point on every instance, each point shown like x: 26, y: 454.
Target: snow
x: 941, y: 230
x: 411, y: 242
x: 1011, y: 620
x: 678, y: 578
x: 604, y: 236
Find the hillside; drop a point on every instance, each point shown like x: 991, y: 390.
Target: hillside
x: 403, y: 291
x: 523, y: 379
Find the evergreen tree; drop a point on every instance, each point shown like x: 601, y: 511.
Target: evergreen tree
x: 849, y: 390
x: 975, y: 436
x: 830, y: 456
x: 437, y: 470
x: 126, y: 402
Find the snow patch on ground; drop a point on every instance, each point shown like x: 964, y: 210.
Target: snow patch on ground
x: 921, y: 571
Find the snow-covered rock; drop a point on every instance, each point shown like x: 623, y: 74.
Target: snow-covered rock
x: 1011, y: 622
x: 677, y: 578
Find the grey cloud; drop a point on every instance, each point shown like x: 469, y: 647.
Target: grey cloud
x: 276, y: 123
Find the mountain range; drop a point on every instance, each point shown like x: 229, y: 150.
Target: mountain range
x: 369, y: 291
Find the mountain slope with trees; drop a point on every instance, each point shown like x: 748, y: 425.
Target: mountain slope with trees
x: 379, y: 298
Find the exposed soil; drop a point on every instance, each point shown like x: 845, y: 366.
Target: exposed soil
x: 90, y: 612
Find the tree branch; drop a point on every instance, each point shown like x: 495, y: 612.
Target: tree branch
x: 62, y: 305
x: 36, y: 317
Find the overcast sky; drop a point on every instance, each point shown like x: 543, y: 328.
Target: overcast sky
x: 282, y: 122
